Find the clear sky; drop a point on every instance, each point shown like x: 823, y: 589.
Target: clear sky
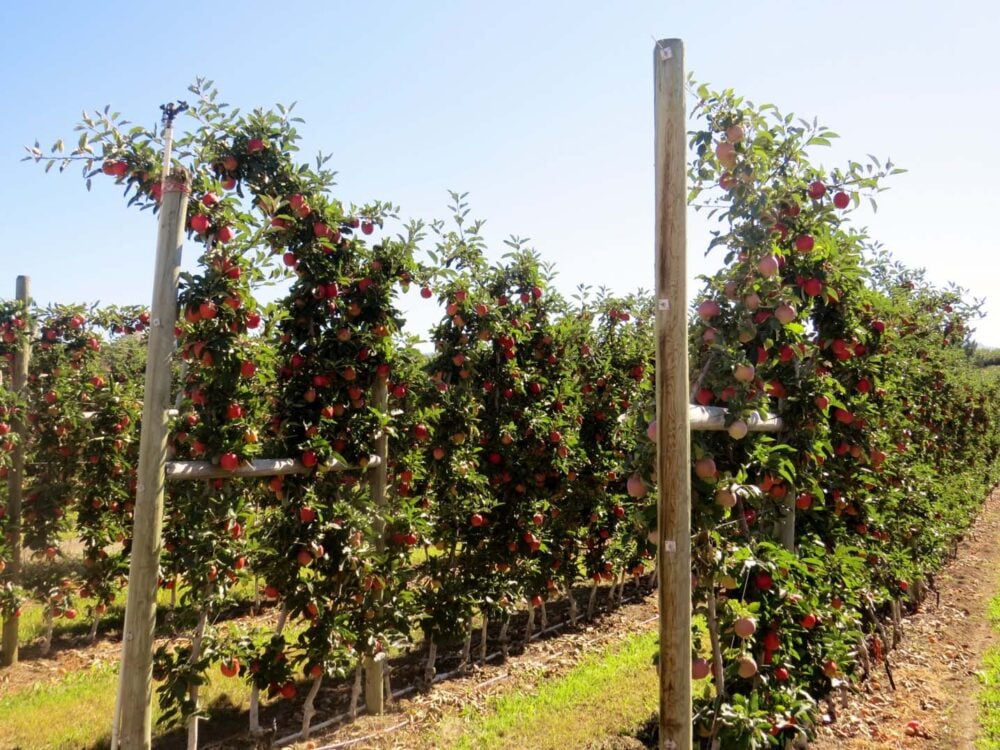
x: 541, y: 110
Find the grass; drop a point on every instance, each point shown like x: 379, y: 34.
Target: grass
x: 75, y: 712
x: 72, y: 713
x: 989, y: 695
x: 607, y: 693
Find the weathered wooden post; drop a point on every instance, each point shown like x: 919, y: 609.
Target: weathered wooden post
x: 673, y: 430
x: 15, y: 477
x: 133, y: 713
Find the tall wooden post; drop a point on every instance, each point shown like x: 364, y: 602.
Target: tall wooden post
x: 374, y: 682
x: 673, y: 432
x: 136, y: 676
x: 15, y: 477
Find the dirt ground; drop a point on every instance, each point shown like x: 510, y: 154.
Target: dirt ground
x: 935, y: 665
x: 405, y: 726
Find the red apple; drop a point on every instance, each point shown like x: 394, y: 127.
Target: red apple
x: 804, y: 243
x: 230, y: 668
x: 700, y: 668
x: 200, y: 223
x: 708, y: 309
x: 817, y: 190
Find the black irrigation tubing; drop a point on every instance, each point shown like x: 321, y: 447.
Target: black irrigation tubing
x: 402, y: 692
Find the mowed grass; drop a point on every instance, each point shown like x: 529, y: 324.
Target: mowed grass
x: 75, y: 712
x: 608, y: 693
x: 989, y: 695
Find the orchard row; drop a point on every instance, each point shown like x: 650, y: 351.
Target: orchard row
x: 520, y: 461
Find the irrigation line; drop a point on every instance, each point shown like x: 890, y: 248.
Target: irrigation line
x: 402, y: 692
x: 356, y: 740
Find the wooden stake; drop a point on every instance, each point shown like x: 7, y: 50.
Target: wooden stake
x: 15, y: 478
x: 673, y: 430
x: 136, y: 675
x: 374, y: 676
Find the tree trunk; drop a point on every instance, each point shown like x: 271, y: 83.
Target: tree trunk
x: 309, y: 707
x: 429, y: 669
x: 199, y: 635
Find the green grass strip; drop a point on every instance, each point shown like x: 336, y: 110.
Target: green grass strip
x: 989, y: 694
x: 605, y: 694
x: 73, y: 713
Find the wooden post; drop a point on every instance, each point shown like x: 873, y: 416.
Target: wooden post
x: 15, y: 477
x: 136, y: 675
x: 673, y: 430
x: 374, y: 678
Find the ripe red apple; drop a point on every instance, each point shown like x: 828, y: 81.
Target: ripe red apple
x: 555, y: 436
x: 309, y: 458
x: 809, y: 621
x: 841, y: 200
x: 817, y: 190
x: 700, y: 668
x: 225, y: 234
x: 708, y: 309
x: 307, y: 514
x: 288, y: 690
x: 229, y: 461
x: 200, y: 223
x: 812, y: 287
x: 735, y: 134
x: 843, y: 416
x: 477, y: 520
x: 254, y: 145
x: 248, y: 369
x: 803, y: 501
x: 230, y: 668
x: 234, y: 411
x: 781, y: 674
x: 304, y: 557
x: 805, y: 243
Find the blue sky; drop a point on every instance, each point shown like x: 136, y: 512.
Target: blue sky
x: 542, y: 111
